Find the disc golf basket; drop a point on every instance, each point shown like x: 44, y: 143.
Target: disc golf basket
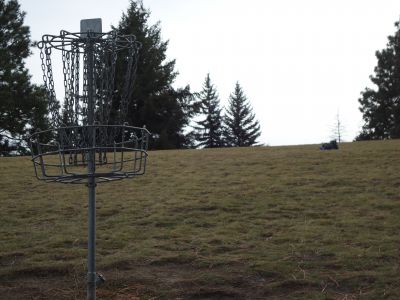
x: 89, y: 141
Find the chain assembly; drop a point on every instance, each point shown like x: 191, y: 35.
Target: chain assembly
x: 105, y: 49
x: 73, y: 110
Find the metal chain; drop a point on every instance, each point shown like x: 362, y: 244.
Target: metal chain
x: 46, y: 66
x: 129, y: 80
x: 64, y: 56
x: 74, y: 110
x: 71, y: 86
x: 85, y: 89
x: 77, y: 68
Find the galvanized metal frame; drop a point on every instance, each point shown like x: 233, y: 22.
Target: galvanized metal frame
x: 135, y: 145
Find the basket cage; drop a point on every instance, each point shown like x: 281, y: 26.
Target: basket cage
x: 86, y: 139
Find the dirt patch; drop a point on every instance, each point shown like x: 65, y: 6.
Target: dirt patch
x: 165, y: 281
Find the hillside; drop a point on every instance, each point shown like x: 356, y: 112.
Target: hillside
x: 251, y: 223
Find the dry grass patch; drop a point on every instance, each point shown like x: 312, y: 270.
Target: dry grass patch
x: 242, y: 223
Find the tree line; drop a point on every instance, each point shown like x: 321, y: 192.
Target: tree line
x: 167, y: 112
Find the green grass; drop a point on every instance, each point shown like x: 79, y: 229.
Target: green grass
x: 243, y: 223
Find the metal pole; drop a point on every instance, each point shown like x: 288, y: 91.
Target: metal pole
x: 91, y: 260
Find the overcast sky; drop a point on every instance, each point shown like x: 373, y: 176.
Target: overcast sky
x: 300, y: 63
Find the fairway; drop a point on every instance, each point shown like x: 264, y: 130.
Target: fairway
x: 287, y: 222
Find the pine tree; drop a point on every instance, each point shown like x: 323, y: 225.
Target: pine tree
x: 209, y: 130
x: 164, y: 110
x: 22, y: 105
x: 241, y: 128
x: 381, y: 106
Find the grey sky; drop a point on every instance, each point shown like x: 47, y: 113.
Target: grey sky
x: 299, y: 62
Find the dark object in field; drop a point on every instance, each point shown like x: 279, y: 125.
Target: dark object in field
x: 332, y: 145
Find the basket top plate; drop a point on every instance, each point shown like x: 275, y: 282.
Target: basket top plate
x: 90, y: 25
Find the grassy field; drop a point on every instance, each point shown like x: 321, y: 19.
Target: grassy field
x: 243, y: 223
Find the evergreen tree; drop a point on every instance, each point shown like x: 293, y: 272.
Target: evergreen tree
x: 164, y: 110
x: 381, y: 106
x: 241, y: 128
x: 22, y: 105
x: 209, y: 130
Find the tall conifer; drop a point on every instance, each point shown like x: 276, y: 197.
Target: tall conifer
x: 23, y: 106
x: 166, y: 111
x: 209, y: 130
x: 381, y: 106
x: 241, y: 128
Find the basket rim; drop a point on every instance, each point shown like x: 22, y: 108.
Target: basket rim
x: 64, y: 173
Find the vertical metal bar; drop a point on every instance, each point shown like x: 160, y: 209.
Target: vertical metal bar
x: 91, y: 260
x: 41, y: 157
x: 115, y: 157
x: 122, y: 146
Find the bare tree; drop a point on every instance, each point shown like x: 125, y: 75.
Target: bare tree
x: 338, y: 129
